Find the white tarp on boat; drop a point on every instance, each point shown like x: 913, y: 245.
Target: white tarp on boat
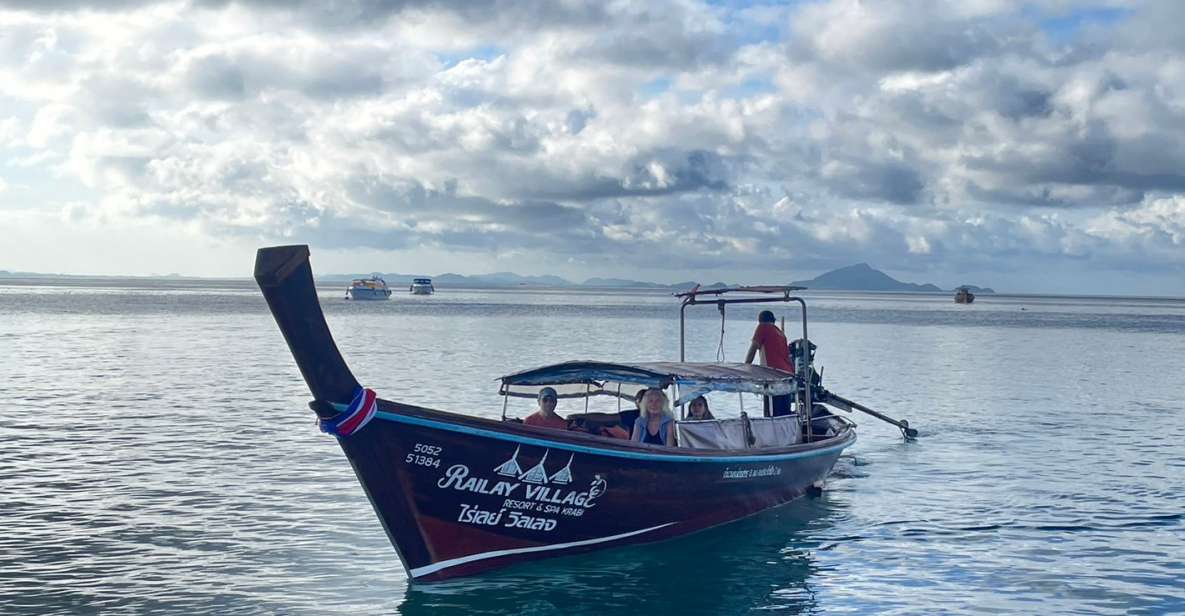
x: 712, y: 434
x: 775, y: 431
x: 730, y: 433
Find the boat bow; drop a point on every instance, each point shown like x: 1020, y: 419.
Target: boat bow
x: 286, y: 279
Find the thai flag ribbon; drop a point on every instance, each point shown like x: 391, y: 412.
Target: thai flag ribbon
x: 359, y: 413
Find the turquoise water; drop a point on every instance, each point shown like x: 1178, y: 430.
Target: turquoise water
x: 156, y: 454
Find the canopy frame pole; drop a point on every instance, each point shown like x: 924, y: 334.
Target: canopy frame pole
x: 802, y: 366
x: 720, y: 345
x: 693, y: 300
x: 804, y: 369
x: 505, y: 400
x: 682, y: 329
x: 675, y: 393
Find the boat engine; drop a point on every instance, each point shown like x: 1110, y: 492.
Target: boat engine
x: 796, y: 351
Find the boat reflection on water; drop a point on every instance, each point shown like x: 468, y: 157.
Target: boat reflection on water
x: 764, y: 562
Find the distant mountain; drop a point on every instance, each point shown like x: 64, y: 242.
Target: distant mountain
x: 862, y: 277
x: 621, y: 283
x: 859, y: 277
x: 8, y: 274
x: 510, y: 279
x: 497, y: 279
x: 501, y: 279
x: 392, y: 279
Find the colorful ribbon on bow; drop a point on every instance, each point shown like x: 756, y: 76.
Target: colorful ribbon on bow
x: 360, y: 411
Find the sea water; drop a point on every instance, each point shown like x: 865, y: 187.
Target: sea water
x: 157, y: 454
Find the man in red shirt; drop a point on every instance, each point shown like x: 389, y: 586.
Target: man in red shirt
x: 775, y: 353
x: 546, y: 416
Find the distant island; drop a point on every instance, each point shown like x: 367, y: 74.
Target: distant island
x: 862, y: 277
x: 510, y: 279
x: 859, y: 277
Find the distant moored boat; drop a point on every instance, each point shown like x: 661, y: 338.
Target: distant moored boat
x: 368, y: 288
x: 422, y: 286
x: 964, y: 296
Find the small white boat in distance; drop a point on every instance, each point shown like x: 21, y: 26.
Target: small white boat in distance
x: 368, y: 288
x: 422, y: 286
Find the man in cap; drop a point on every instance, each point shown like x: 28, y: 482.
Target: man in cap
x: 545, y: 416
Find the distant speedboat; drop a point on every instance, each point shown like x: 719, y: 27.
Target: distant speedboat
x: 964, y: 296
x: 368, y: 288
x: 422, y: 286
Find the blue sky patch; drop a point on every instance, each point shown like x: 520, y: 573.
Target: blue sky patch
x: 1064, y: 27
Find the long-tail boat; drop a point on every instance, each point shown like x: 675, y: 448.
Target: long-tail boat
x: 458, y: 494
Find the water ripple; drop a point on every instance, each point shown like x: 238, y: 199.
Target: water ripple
x: 156, y: 455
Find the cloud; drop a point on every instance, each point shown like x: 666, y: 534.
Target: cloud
x: 680, y: 135
x: 10, y: 132
x: 909, y: 36
x: 1151, y: 236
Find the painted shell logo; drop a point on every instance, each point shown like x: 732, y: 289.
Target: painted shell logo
x: 595, y: 490
x: 536, y: 474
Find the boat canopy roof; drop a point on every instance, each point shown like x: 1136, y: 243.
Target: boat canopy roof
x: 766, y: 289
x: 577, y: 379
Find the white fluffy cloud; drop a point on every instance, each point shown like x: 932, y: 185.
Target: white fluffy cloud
x: 955, y: 136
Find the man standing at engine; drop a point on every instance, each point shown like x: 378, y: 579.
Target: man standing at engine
x: 775, y: 353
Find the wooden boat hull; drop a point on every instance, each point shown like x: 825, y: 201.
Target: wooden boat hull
x: 458, y: 494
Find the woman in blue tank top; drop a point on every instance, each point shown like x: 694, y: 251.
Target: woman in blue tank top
x: 655, y: 424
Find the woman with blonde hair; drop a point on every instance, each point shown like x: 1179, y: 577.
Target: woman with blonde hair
x: 655, y: 424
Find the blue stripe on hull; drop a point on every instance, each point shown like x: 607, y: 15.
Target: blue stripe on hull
x: 637, y: 455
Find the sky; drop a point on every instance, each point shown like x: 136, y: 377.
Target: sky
x: 1032, y: 147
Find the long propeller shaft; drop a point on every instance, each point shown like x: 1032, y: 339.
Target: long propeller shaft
x: 844, y: 404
